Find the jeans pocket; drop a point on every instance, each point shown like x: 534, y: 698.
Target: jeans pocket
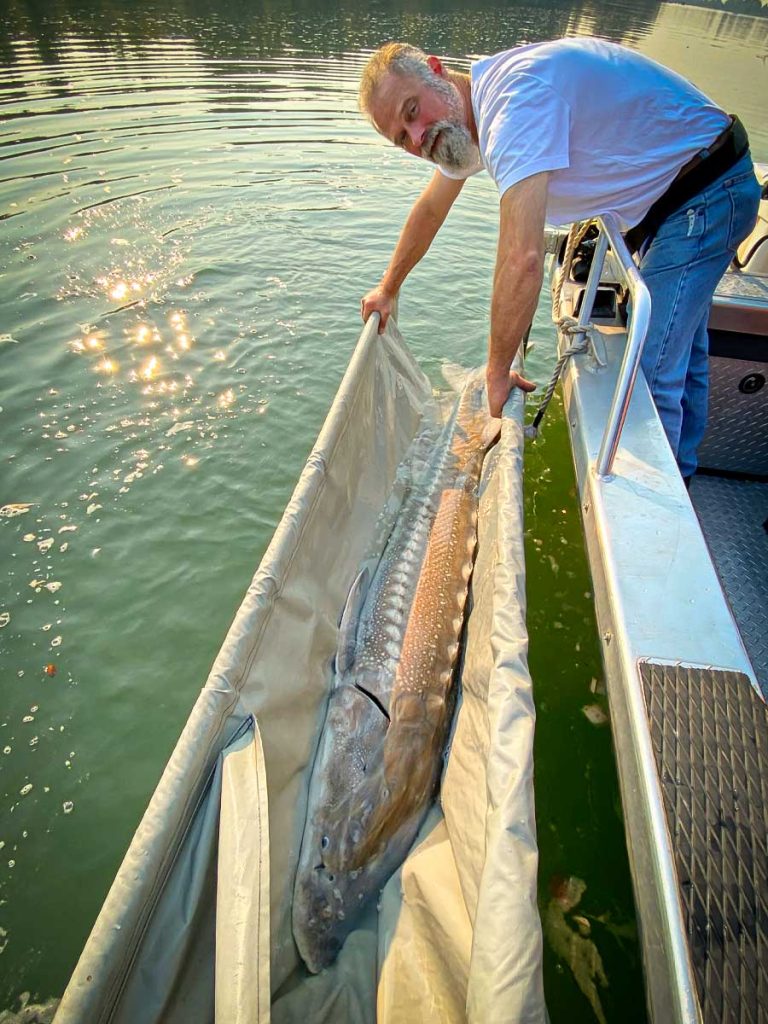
x: 688, y: 224
x: 744, y: 195
x: 678, y: 241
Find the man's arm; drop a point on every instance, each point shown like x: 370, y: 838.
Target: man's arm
x: 516, y: 283
x: 425, y: 219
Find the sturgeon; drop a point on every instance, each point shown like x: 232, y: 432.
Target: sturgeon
x: 380, y: 752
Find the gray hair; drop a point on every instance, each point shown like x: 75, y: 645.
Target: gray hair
x: 398, y: 58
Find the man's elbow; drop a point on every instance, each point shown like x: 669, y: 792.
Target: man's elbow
x: 532, y: 265
x: 525, y: 267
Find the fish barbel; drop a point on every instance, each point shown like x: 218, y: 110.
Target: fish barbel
x: 379, y: 756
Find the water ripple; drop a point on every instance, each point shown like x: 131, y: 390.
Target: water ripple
x: 191, y: 208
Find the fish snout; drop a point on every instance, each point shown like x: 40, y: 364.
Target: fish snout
x: 318, y: 921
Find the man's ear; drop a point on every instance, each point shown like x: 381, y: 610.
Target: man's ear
x: 435, y: 64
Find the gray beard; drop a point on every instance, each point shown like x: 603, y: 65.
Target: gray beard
x: 454, y: 150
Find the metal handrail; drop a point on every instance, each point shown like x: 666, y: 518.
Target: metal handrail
x: 638, y: 328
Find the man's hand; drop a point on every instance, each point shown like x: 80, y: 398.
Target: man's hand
x: 379, y: 300
x: 498, y: 386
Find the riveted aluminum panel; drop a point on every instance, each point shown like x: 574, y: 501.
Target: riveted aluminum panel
x: 732, y: 514
x: 709, y: 730
x: 737, y: 432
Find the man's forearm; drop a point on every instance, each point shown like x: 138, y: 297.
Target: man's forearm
x: 516, y: 287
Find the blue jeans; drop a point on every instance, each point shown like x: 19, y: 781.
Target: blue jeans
x: 682, y: 267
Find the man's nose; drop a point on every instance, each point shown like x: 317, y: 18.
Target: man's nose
x: 415, y: 134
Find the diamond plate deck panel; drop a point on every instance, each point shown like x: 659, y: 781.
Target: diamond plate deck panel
x: 709, y: 730
x: 732, y: 514
x: 743, y: 286
x: 737, y: 424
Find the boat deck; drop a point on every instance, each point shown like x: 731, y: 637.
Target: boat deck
x: 734, y: 518
x: 710, y: 743
x: 681, y: 595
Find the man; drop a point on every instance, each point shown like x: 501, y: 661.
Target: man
x: 570, y: 129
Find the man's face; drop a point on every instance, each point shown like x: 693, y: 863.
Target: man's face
x: 425, y: 119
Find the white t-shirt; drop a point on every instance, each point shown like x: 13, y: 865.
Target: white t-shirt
x: 611, y: 126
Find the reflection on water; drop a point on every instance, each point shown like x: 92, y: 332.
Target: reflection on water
x: 280, y: 28
x: 192, y: 207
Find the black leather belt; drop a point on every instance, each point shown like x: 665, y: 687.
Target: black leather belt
x: 700, y: 171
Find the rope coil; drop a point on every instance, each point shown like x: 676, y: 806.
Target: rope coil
x: 566, y: 326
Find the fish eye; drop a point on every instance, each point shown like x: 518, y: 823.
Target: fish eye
x: 324, y: 843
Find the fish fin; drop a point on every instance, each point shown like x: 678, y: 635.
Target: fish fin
x: 455, y: 376
x: 491, y: 432
x: 350, y: 619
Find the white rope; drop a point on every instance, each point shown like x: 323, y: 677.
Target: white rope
x: 566, y: 326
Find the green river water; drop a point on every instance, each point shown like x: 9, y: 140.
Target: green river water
x: 191, y: 208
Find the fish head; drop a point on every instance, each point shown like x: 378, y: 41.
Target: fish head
x: 327, y: 906
x: 330, y: 902
x: 351, y: 752
x: 329, y: 897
